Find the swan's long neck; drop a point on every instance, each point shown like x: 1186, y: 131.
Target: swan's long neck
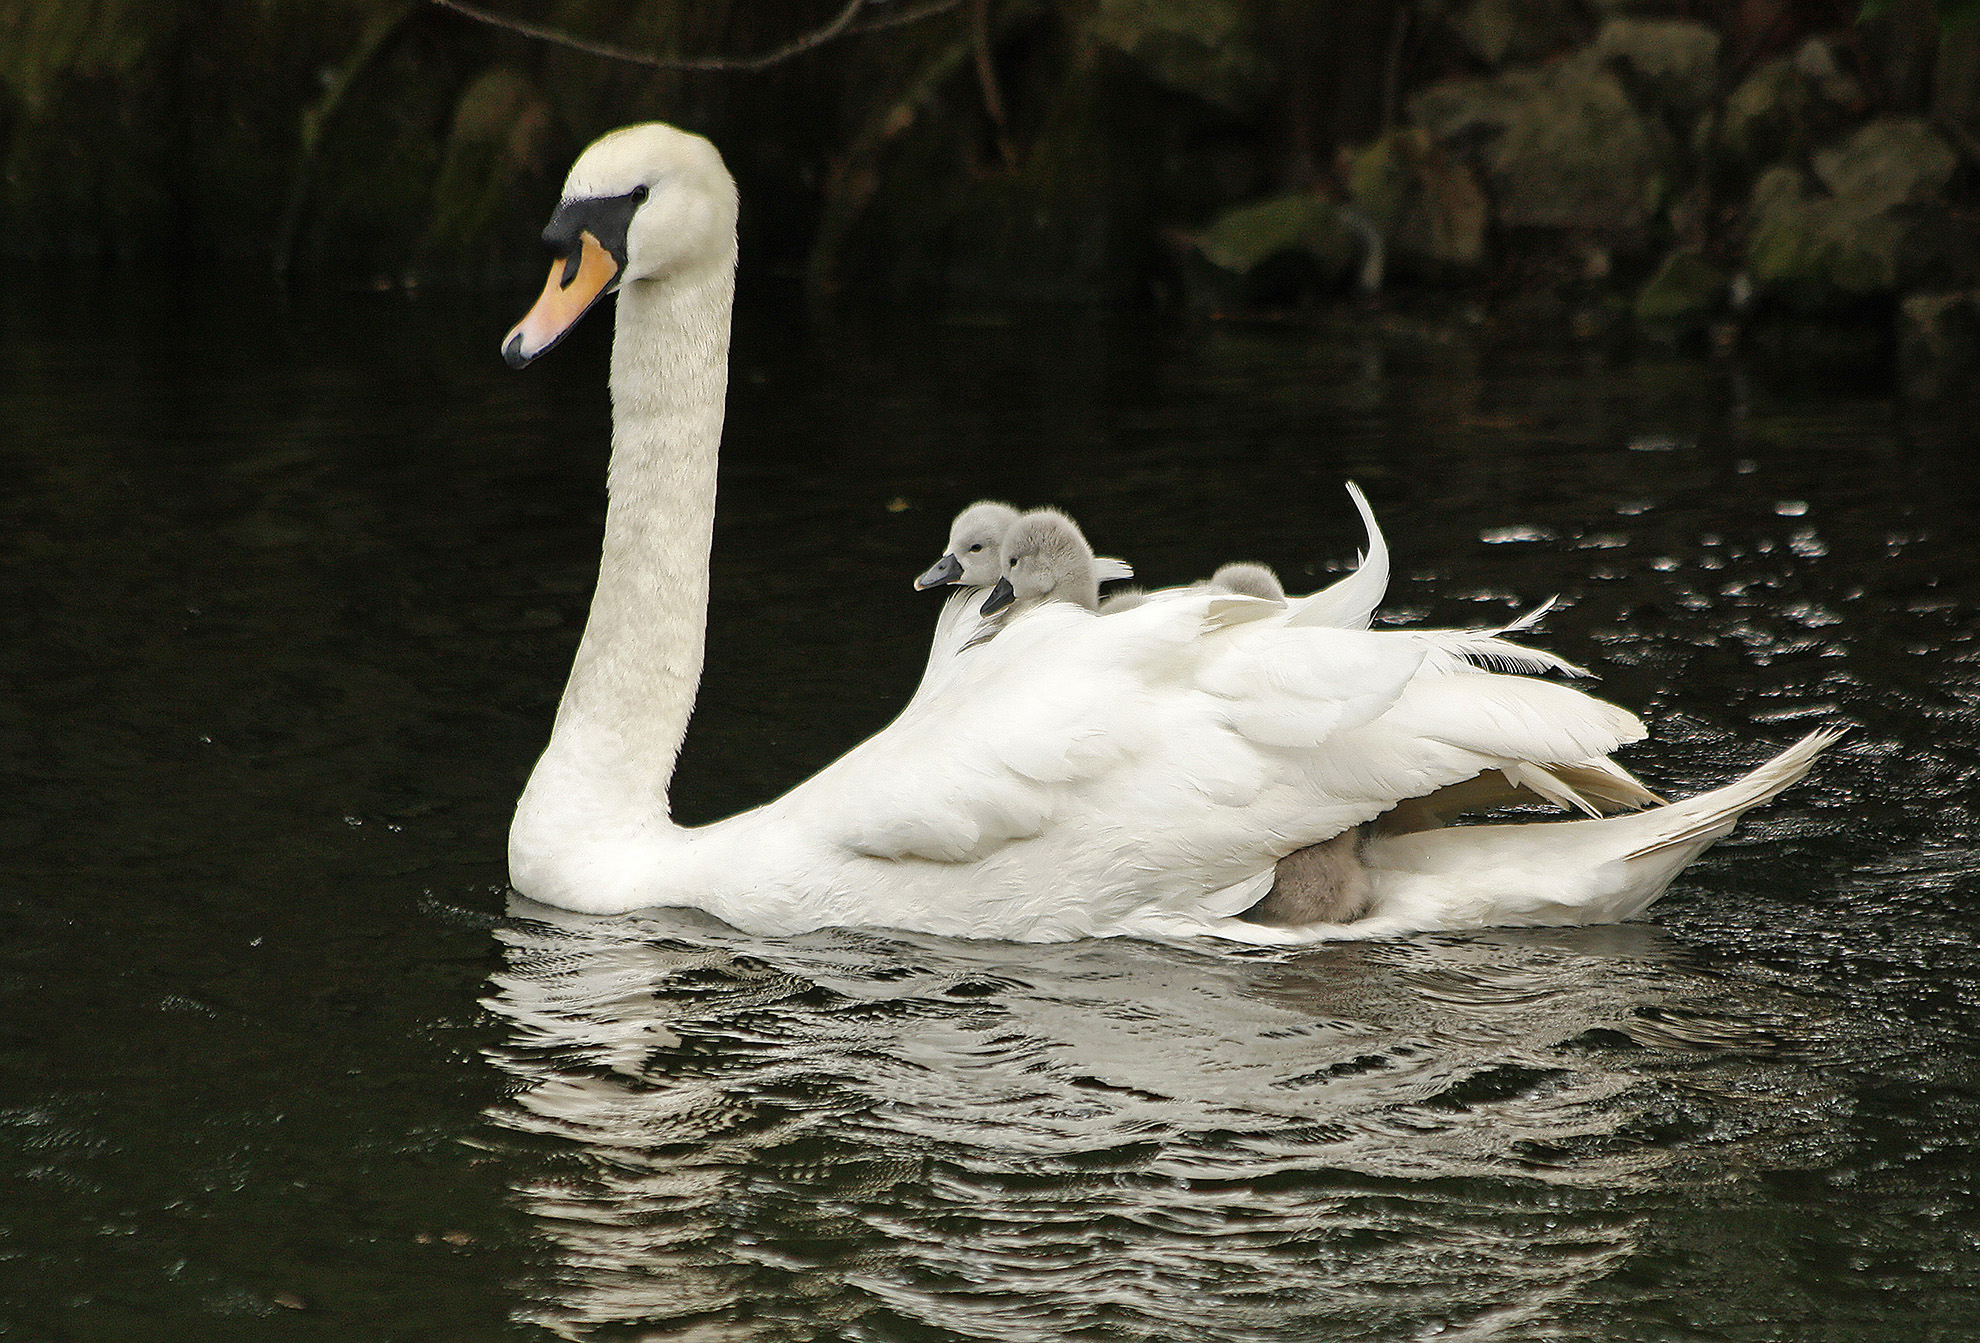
x: 603, y: 778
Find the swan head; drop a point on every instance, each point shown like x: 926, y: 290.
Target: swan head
x: 1249, y: 580
x: 643, y: 203
x: 1045, y: 558
x: 976, y: 543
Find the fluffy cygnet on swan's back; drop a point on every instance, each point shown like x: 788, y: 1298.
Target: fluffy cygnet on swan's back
x: 976, y: 543
x: 976, y: 540
x: 1045, y: 558
x: 1249, y: 580
x: 1240, y: 580
x: 972, y: 564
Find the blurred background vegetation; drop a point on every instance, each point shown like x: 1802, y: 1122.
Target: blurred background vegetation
x: 1667, y: 164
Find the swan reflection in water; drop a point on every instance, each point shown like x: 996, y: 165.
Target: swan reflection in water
x: 877, y: 1136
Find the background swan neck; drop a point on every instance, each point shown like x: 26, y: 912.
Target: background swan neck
x: 632, y: 685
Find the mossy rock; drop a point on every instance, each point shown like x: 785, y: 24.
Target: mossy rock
x: 1426, y: 202
x: 1776, y: 111
x: 1814, y: 252
x: 1938, y: 342
x: 1246, y: 237
x: 1889, y: 162
x: 1685, y: 291
x: 1274, y: 253
x: 1817, y: 255
x: 1206, y: 48
x: 1561, y: 146
x: 1674, y: 61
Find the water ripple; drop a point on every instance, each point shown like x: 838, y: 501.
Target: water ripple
x: 766, y: 1140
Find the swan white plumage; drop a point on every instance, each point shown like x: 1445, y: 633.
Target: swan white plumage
x: 1134, y: 774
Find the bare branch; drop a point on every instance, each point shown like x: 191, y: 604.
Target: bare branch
x: 841, y: 25
x: 904, y: 17
x: 986, y: 78
x: 986, y: 69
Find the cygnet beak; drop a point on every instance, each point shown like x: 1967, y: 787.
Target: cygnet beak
x: 947, y: 570
x: 1000, y: 597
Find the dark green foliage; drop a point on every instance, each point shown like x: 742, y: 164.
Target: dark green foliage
x: 1952, y: 13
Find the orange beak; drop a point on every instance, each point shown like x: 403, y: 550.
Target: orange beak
x: 567, y: 294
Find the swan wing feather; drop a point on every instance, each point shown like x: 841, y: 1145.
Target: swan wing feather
x: 1515, y: 718
x: 1163, y: 710
x: 1459, y: 650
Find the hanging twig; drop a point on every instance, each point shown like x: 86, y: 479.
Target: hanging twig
x: 317, y: 120
x: 986, y: 77
x: 1392, y: 68
x: 840, y: 26
x: 903, y: 17
x: 1962, y: 138
x: 856, y: 176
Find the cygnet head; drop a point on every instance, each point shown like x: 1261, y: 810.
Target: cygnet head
x: 1045, y: 558
x: 1249, y: 580
x: 976, y: 541
x: 643, y: 203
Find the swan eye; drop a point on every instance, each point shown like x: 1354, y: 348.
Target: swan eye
x: 640, y: 192
x: 978, y: 546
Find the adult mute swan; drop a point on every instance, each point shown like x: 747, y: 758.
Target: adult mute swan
x: 1139, y: 773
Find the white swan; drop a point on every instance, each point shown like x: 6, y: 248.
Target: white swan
x: 1138, y: 774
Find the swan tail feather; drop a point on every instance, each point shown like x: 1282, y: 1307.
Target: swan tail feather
x: 1109, y: 570
x: 1710, y: 815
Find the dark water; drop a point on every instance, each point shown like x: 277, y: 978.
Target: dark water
x: 289, y: 596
